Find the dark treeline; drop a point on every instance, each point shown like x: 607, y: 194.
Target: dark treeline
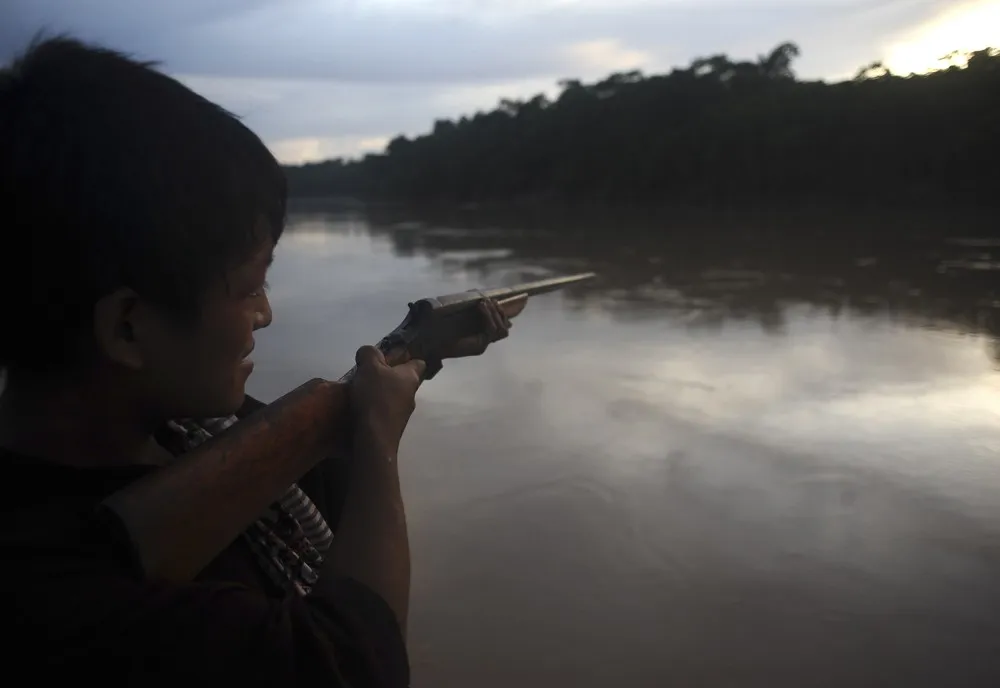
x: 717, y: 131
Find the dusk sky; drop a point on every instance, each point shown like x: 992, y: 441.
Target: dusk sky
x: 325, y: 78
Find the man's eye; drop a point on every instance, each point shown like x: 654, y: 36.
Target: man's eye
x: 259, y: 291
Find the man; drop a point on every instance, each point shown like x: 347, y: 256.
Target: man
x: 139, y: 223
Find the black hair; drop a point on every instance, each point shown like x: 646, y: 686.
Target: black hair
x: 114, y: 174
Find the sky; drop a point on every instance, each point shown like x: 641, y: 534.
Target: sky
x: 318, y: 79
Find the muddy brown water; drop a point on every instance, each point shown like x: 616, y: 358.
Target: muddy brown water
x: 732, y: 460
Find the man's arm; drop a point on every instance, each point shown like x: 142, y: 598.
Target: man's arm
x: 371, y: 544
x: 364, y: 506
x: 360, y: 497
x: 326, y: 484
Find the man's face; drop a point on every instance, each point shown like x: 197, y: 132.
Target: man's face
x: 201, y: 370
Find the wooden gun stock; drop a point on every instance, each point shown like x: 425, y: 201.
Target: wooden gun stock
x: 181, y: 516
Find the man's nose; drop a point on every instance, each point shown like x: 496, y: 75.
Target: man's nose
x: 263, y: 316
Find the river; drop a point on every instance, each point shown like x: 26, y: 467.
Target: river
x: 734, y: 459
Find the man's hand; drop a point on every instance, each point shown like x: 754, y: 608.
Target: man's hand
x: 496, y: 326
x: 383, y: 397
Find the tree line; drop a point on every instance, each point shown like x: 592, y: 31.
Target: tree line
x: 718, y: 131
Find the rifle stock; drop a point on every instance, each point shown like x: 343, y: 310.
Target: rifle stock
x: 181, y: 516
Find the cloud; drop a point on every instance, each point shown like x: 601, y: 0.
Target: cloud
x: 322, y: 75
x: 302, y: 150
x: 336, y: 119
x: 607, y: 54
x: 965, y: 27
x: 450, y: 41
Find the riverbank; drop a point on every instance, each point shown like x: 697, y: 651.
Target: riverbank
x: 925, y: 219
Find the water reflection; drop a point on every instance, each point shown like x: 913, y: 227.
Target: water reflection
x: 708, y: 274
x: 733, y: 461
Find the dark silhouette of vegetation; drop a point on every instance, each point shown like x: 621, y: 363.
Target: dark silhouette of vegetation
x: 716, y: 131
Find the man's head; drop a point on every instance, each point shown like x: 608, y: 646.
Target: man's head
x: 138, y: 222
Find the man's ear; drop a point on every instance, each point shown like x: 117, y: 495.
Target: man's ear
x: 117, y: 328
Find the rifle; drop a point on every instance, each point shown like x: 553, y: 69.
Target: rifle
x: 181, y: 516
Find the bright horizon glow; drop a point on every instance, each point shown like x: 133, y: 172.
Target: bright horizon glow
x: 299, y: 151
x: 973, y: 26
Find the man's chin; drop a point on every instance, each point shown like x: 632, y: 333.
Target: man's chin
x: 236, y: 403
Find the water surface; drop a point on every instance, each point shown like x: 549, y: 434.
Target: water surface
x: 735, y: 459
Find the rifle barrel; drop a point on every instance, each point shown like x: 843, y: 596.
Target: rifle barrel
x: 538, y: 287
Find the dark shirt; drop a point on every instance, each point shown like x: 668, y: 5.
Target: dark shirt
x: 78, y: 605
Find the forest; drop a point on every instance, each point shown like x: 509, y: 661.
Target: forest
x: 716, y: 131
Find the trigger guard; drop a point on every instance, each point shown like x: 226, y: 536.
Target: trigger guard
x: 434, y: 366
